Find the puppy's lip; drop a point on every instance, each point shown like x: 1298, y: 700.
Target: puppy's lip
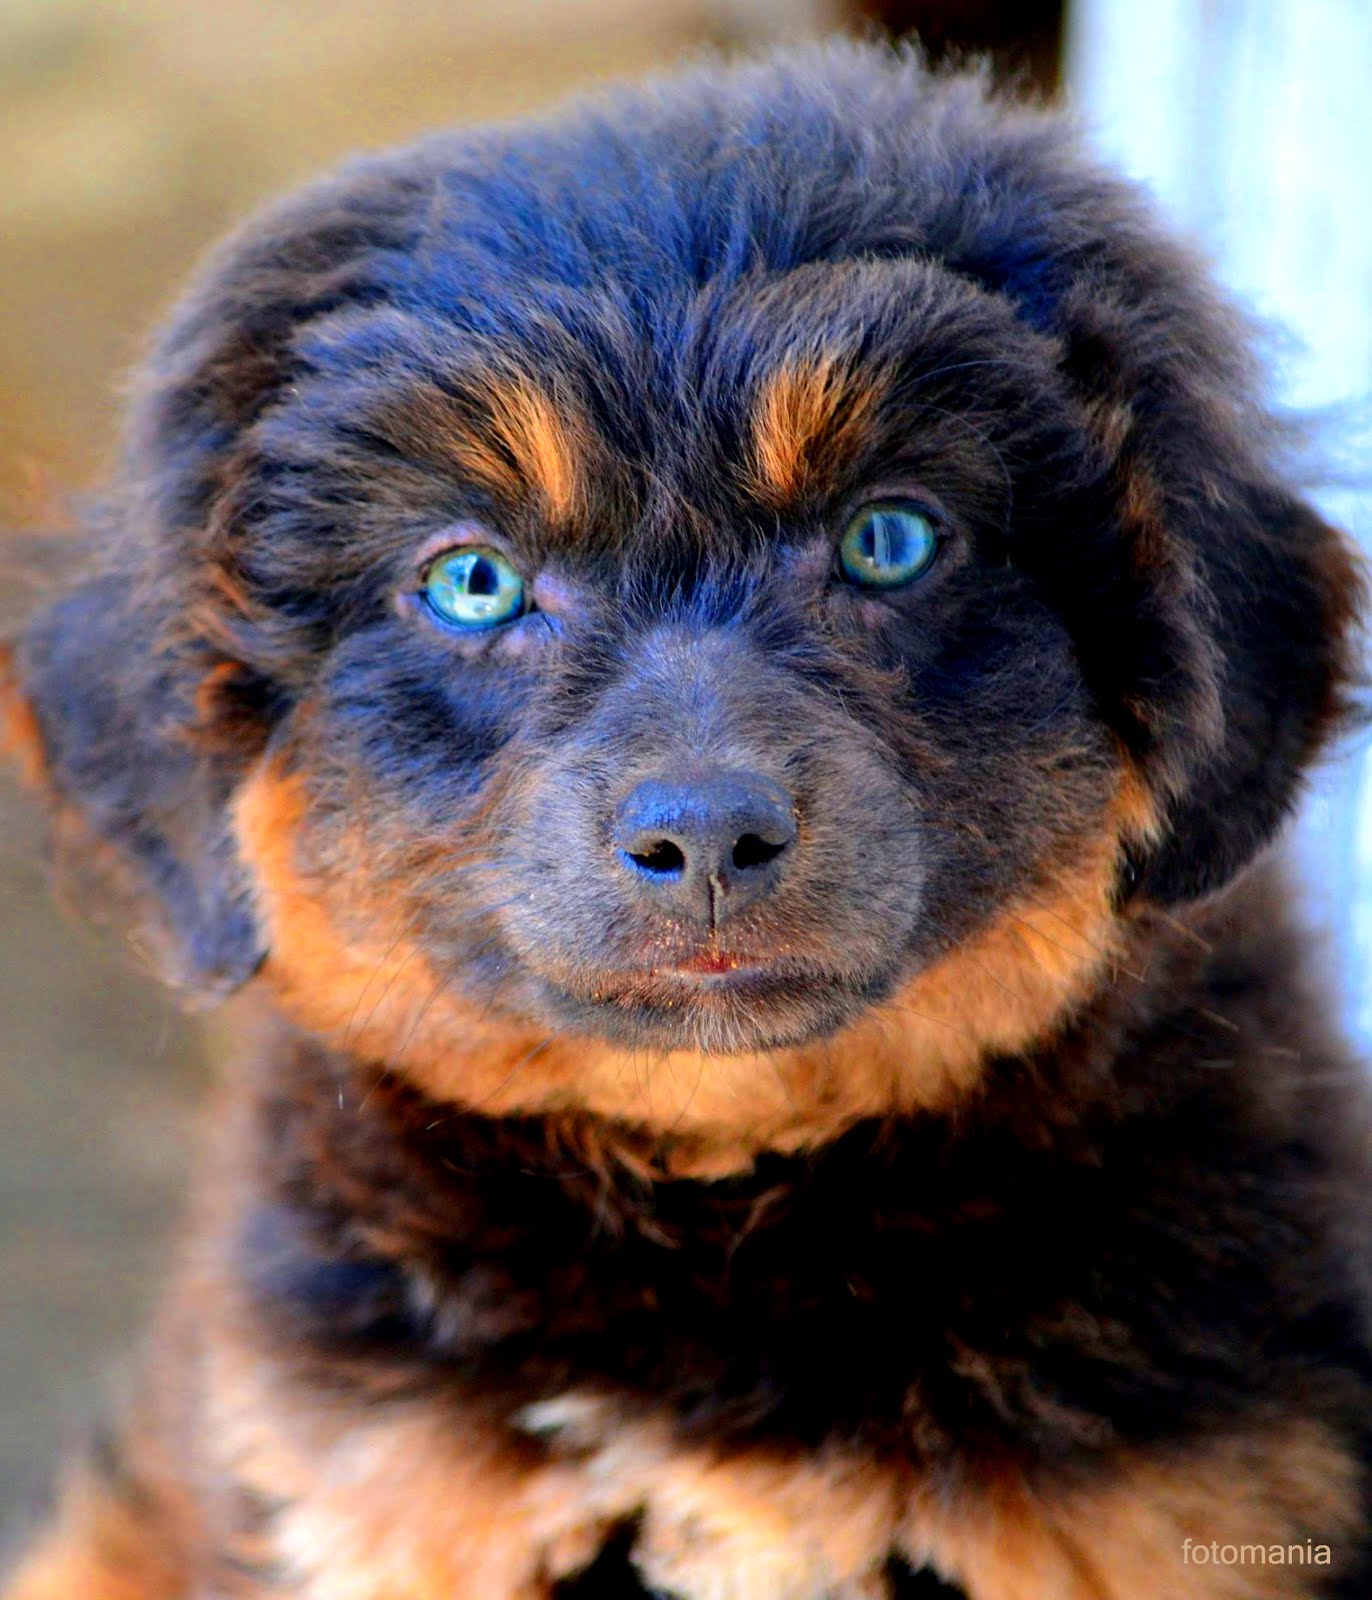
x: 713, y: 963
x: 703, y: 971
x: 757, y: 1004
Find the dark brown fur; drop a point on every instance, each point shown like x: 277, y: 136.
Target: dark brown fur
x: 984, y: 1208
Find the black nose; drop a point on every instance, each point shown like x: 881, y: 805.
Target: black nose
x: 708, y: 845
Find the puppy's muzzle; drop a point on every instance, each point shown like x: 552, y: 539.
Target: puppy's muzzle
x: 705, y: 845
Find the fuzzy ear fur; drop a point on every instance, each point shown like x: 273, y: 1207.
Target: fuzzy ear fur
x: 129, y: 700
x: 1245, y: 602
x: 91, y: 700
x: 1218, y: 622
x: 1282, y: 590
x: 1217, y: 619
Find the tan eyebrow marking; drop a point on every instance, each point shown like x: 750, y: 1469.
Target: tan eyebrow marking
x: 811, y: 418
x: 505, y: 433
x: 545, y: 446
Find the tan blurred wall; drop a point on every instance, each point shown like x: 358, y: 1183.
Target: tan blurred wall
x: 130, y: 136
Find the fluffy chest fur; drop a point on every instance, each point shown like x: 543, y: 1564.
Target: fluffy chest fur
x: 921, y: 1348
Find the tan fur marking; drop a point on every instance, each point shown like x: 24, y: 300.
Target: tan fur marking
x: 1136, y: 809
x: 98, y: 1549
x: 530, y: 427
x: 1005, y: 988
x: 520, y: 441
x: 1124, y: 1537
x: 373, y: 994
x: 809, y: 421
x: 421, y: 1502
x: 503, y: 432
x: 376, y: 996
x: 20, y: 736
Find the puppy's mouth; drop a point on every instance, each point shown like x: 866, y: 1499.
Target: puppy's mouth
x: 704, y: 979
x: 715, y: 1000
x: 715, y: 964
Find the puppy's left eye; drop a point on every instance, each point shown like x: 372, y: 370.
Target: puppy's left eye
x: 471, y: 587
x: 887, y: 545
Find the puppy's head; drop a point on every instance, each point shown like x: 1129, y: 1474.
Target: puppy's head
x: 721, y: 602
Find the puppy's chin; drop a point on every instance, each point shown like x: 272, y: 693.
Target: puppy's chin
x: 724, y: 1009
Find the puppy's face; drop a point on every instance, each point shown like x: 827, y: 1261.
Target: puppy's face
x: 715, y: 636
x: 700, y: 711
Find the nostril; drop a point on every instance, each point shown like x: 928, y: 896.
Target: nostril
x: 663, y: 858
x: 707, y: 843
x: 752, y: 850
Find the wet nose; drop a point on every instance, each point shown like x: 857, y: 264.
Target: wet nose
x: 708, y: 845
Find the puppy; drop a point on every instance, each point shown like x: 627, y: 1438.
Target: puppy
x: 721, y: 664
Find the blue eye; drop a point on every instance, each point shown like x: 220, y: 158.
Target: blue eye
x: 887, y: 545
x: 473, y: 588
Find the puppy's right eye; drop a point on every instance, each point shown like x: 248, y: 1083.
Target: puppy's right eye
x: 471, y: 587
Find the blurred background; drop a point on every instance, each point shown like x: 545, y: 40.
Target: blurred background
x: 132, y: 134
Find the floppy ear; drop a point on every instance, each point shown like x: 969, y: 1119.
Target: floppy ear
x: 91, y: 703
x: 1214, y: 611
x: 1282, y: 591
x: 1234, y: 645
x: 138, y: 699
